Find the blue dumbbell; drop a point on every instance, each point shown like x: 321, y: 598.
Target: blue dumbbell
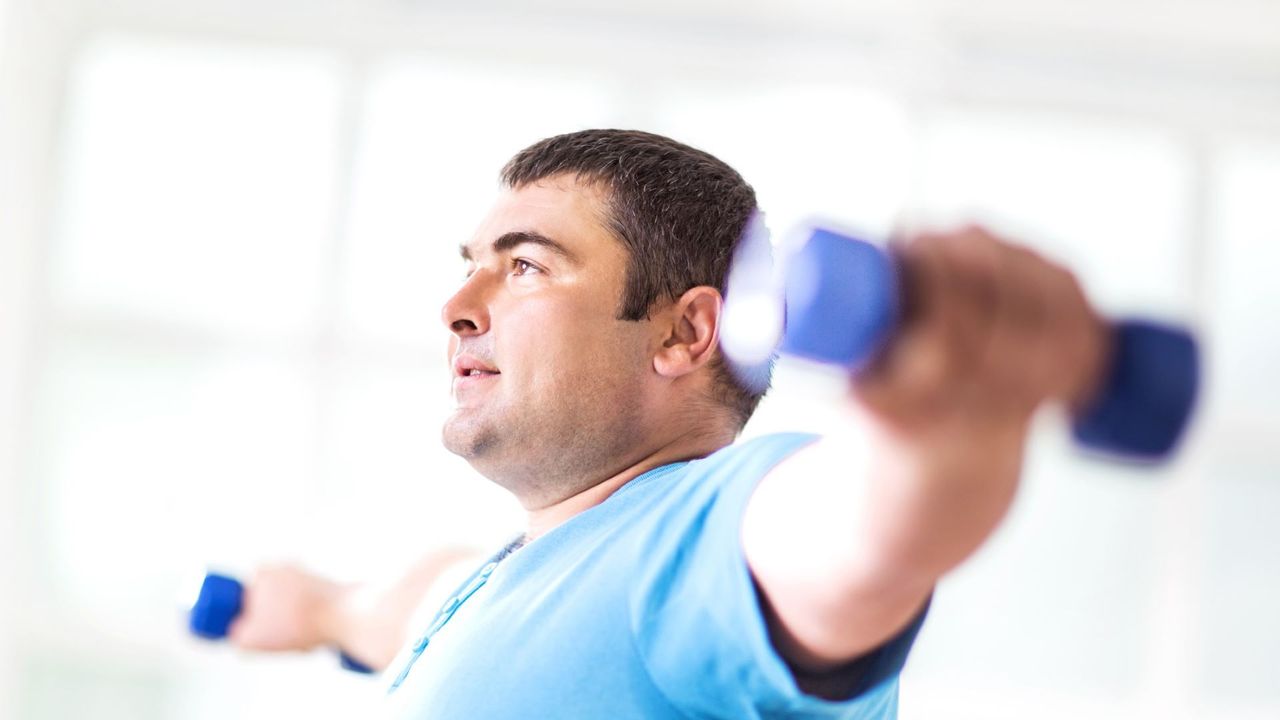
x: 844, y: 300
x: 220, y: 601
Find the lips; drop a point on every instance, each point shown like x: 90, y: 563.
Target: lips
x: 469, y: 366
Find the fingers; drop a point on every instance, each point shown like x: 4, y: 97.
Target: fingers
x: 1014, y: 358
x: 1077, y: 351
x: 990, y: 330
x: 916, y: 361
x: 282, y: 609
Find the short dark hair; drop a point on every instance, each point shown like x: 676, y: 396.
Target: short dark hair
x: 677, y: 210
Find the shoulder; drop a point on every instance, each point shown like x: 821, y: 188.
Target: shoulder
x: 683, y: 493
x: 697, y: 508
x: 741, y: 464
x: 752, y: 457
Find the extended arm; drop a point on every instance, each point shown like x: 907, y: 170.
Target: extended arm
x: 846, y: 544
x: 288, y: 608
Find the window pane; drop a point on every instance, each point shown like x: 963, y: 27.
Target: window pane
x: 1245, y: 310
x: 161, y: 459
x: 199, y: 184
x: 831, y: 151
x: 1240, y: 564
x: 1108, y: 200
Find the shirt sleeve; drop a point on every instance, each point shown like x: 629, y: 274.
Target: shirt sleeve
x: 865, y: 672
x: 698, y: 623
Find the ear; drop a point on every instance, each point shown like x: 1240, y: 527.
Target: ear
x: 690, y: 336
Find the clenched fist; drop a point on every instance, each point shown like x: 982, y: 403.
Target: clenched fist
x: 285, y: 608
x: 992, y: 330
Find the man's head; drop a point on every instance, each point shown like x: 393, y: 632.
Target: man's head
x: 595, y: 293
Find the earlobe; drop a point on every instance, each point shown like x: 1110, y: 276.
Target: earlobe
x: 691, y: 333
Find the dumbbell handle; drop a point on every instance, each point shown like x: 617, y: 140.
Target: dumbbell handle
x: 844, y: 301
x: 220, y: 601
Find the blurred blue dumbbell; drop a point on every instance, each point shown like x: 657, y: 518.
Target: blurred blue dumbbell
x: 220, y: 601
x: 844, y: 300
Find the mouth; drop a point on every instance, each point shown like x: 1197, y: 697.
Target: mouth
x: 465, y: 385
x: 468, y: 370
x: 478, y: 373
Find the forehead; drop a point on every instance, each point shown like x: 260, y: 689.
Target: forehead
x: 561, y: 208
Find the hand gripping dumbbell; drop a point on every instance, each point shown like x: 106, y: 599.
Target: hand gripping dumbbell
x: 843, y: 299
x: 220, y: 600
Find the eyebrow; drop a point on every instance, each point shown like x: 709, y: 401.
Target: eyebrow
x: 508, y: 241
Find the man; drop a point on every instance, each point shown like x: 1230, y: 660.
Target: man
x: 665, y: 571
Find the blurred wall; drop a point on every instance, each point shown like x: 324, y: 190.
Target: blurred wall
x: 227, y: 228
x: 29, y: 88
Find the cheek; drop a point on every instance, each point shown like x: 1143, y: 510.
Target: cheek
x: 531, y: 338
x: 554, y: 343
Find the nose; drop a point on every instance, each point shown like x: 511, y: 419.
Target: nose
x: 467, y: 312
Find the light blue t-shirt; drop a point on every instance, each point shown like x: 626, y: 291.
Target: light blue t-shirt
x: 640, y: 607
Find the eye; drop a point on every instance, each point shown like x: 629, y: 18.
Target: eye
x: 520, y: 266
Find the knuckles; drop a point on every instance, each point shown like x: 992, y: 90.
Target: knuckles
x: 992, y: 327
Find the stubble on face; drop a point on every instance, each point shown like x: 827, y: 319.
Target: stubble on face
x: 573, y: 427
x: 568, y: 407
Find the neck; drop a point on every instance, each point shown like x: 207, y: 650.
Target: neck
x: 685, y: 447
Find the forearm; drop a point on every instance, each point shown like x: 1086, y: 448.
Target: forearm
x: 847, y: 543
x: 931, y: 503
x: 371, y: 622
x: 288, y: 608
x: 845, y: 556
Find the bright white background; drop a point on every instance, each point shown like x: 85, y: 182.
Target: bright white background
x: 226, y: 229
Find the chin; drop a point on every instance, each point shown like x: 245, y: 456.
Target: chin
x: 466, y: 437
